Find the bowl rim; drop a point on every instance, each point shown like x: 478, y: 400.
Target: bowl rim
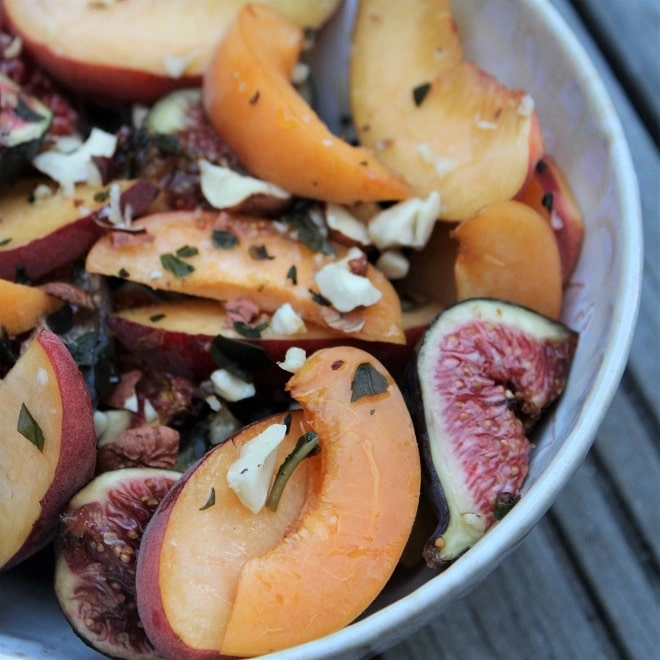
x: 509, y: 533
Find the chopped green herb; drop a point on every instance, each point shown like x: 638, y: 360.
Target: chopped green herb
x: 310, y: 232
x: 249, y: 331
x: 156, y: 317
x: 307, y: 445
x: 175, y: 265
x: 259, y: 252
x: 292, y: 274
x: 168, y: 144
x: 123, y: 273
x: 224, y: 239
x: 367, y: 381
x: 254, y: 98
x: 319, y: 299
x: 504, y: 502
x: 187, y: 251
x: 28, y: 428
x: 420, y: 92
x: 102, y: 196
x: 5, y: 241
x: 210, y: 502
x: 548, y: 201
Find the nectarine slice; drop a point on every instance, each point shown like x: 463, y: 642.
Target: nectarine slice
x: 508, y: 251
x: 258, y: 265
x: 214, y: 578
x: 42, y: 228
x: 47, y: 445
x: 445, y: 124
x: 22, y: 307
x: 549, y: 194
x: 274, y: 132
x: 137, y: 50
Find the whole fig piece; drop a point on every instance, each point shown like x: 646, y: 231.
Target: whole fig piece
x: 482, y: 376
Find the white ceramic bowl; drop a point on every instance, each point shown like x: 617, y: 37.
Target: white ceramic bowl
x: 526, y: 44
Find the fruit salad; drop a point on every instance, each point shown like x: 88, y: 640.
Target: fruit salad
x: 244, y: 359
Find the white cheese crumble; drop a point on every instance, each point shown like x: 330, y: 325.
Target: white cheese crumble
x: 230, y: 387
x: 109, y: 424
x: 443, y: 164
x: 176, y: 65
x: 249, y: 476
x: 344, y: 289
x: 71, y: 167
x: 223, y: 188
x: 406, y: 224
x: 340, y: 220
x: 294, y: 359
x: 112, y: 212
x: 526, y: 106
x: 285, y: 321
x: 393, y: 264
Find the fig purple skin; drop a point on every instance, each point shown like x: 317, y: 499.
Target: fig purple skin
x: 482, y: 377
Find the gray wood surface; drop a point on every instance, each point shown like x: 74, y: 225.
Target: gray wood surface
x: 586, y: 581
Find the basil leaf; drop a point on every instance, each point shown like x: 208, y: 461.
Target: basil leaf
x: 420, y: 92
x: 172, y: 263
x: 367, y: 381
x: 224, y: 239
x: 210, y: 502
x: 28, y: 428
x: 307, y: 445
x: 187, y: 251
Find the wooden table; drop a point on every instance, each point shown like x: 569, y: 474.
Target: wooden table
x: 585, y: 583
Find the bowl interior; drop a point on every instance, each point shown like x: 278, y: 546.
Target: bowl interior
x: 527, y: 45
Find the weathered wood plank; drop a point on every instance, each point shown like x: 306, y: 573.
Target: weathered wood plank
x: 533, y: 605
x: 627, y: 599
x: 628, y: 454
x: 627, y: 32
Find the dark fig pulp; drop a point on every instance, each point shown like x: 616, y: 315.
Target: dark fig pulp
x: 484, y: 373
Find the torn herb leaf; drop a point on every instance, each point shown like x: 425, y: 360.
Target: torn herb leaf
x: 187, y: 251
x: 259, y: 252
x: 175, y: 265
x: 210, y: 502
x: 5, y: 241
x: 154, y: 318
x: 30, y: 429
x: 420, y: 92
x: 224, y: 239
x: 249, y: 331
x: 307, y: 445
x: 367, y: 381
x: 319, y: 299
x: 310, y: 233
x: 292, y: 274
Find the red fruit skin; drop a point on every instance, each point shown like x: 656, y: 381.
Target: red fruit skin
x: 77, y: 459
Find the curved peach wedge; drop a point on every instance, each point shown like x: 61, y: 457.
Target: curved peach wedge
x: 138, y: 50
x: 549, y: 193
x: 215, y: 579
x: 508, y: 251
x: 258, y: 266
x: 22, y: 306
x: 441, y: 122
x: 274, y: 132
x: 47, y: 445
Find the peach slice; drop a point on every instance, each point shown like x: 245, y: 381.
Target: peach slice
x: 138, y: 50
x: 47, y: 446
x: 42, y: 229
x: 176, y: 336
x: 508, y: 251
x: 549, y: 193
x: 274, y: 132
x: 258, y: 266
x: 449, y: 131
x: 22, y: 307
x: 271, y: 580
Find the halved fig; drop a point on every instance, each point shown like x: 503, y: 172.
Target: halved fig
x: 484, y: 373
x: 97, y: 546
